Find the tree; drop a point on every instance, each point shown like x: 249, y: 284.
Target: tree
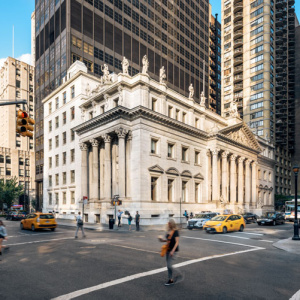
x: 9, y: 191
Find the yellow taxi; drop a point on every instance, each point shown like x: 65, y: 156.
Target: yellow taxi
x: 39, y: 220
x: 225, y: 223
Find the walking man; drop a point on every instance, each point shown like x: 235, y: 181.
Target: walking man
x: 137, y: 221
x: 119, y: 215
x: 79, y: 225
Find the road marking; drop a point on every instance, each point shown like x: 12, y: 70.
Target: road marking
x: 266, y: 241
x: 239, y: 237
x: 296, y: 296
x: 250, y: 233
x: 217, y: 241
x: 101, y: 286
x: 44, y: 241
x: 28, y: 234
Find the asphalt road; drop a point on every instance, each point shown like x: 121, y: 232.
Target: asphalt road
x: 127, y: 265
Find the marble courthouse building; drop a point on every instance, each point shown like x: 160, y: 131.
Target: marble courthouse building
x: 162, y: 153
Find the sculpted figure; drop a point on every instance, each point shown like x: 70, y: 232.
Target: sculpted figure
x: 191, y: 90
x: 106, y: 76
x: 145, y: 64
x: 125, y: 65
x: 162, y: 75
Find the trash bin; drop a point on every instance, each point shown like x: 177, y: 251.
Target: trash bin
x: 111, y: 223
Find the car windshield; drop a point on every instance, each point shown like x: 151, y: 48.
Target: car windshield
x: 269, y: 215
x: 202, y: 216
x: 46, y: 217
x: 219, y: 218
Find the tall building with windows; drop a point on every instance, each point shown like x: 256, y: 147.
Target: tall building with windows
x: 258, y: 73
x: 16, y: 153
x: 173, y: 34
x: 214, y: 64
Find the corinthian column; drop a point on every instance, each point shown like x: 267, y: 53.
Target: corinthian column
x: 121, y: 132
x: 84, y: 173
x: 241, y: 180
x: 95, y: 177
x: 128, y: 163
x: 232, y: 179
x: 253, y: 188
x: 107, y: 166
x: 215, y: 177
x: 224, y: 176
x: 247, y: 182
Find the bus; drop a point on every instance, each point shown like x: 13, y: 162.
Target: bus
x: 290, y: 210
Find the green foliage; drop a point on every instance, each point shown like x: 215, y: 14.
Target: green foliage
x: 9, y: 191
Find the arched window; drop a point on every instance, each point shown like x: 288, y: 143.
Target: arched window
x: 1, y: 159
x: 8, y: 160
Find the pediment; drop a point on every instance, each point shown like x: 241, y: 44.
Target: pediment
x: 241, y: 134
x: 186, y: 173
x: 173, y: 171
x: 198, y: 176
x: 156, y: 169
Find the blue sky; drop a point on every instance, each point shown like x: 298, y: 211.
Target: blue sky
x: 17, y: 13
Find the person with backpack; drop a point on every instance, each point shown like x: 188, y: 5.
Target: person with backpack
x: 129, y: 221
x: 79, y: 222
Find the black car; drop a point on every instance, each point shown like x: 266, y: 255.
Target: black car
x: 12, y: 215
x: 250, y: 217
x: 271, y: 218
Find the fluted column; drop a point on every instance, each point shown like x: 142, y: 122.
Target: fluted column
x: 241, y: 180
x: 84, y: 172
x: 215, y: 177
x: 253, y: 188
x: 121, y: 132
x: 107, y: 166
x: 128, y: 164
x: 232, y: 179
x: 247, y: 182
x: 95, y: 177
x: 224, y: 175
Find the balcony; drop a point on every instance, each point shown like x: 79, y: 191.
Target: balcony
x: 238, y: 6
x: 212, y: 27
x: 212, y: 46
x: 213, y: 94
x: 238, y: 78
x: 279, y: 4
x: 238, y: 33
x: 238, y: 43
x: 238, y: 16
x: 238, y: 96
x: 238, y: 25
x: 238, y: 51
x: 238, y: 86
x: 238, y: 60
x: 238, y: 69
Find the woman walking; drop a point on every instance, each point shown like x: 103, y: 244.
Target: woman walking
x: 129, y: 221
x: 3, y: 236
x: 172, y: 239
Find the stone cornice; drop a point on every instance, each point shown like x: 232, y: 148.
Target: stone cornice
x: 135, y: 113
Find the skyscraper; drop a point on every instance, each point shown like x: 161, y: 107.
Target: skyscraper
x: 257, y: 60
x: 173, y: 34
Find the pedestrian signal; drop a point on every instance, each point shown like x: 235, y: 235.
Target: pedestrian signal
x: 24, y: 124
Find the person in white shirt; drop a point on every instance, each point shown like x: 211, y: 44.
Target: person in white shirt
x: 119, y: 215
x: 79, y: 222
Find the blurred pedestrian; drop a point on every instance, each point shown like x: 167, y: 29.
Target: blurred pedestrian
x: 186, y: 215
x: 119, y: 215
x: 172, y: 239
x: 137, y: 221
x: 129, y: 221
x: 3, y: 236
x: 191, y: 215
x: 79, y: 222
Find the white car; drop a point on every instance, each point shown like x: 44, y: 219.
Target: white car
x: 199, y: 220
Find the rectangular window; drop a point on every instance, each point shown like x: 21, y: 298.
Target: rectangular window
x: 184, y: 191
x: 64, y: 136
x: 72, y: 154
x: 56, y: 179
x: 257, y: 87
x: 73, y: 92
x: 56, y: 122
x: 257, y: 12
x: 170, y: 111
x: 256, y: 105
x: 184, y: 154
x: 56, y: 199
x: 64, y: 158
x: 257, y: 40
x: 256, y: 96
x: 256, y: 31
x: 50, y: 162
x: 170, y: 190
x: 56, y: 141
x: 72, y: 176
x: 170, y: 150
x: 64, y: 115
x: 257, y: 115
x: 72, y: 135
x: 50, y: 107
x: 184, y: 117
x: 56, y: 103
x: 56, y: 160
x: 197, y: 157
x: 154, y: 143
x: 177, y: 114
x: 257, y: 68
x: 197, y: 192
x: 154, y: 104
x: 72, y: 197
x: 72, y: 109
x: 64, y: 198
x: 50, y: 144
x: 257, y: 59
x: 257, y: 77
x: 154, y: 188
x: 257, y: 49
x: 64, y: 97
x: 257, y: 21
x: 50, y: 180
x: 64, y: 177
x: 50, y: 126
x: 50, y: 198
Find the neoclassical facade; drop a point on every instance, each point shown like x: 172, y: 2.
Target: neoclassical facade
x: 163, y: 153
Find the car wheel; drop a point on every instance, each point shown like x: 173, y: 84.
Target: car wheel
x: 259, y: 224
x: 32, y: 227
x: 21, y: 226
x: 52, y: 229
x: 224, y: 229
x: 241, y: 228
x: 190, y: 228
x: 274, y: 223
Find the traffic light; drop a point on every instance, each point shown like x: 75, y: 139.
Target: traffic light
x: 24, y: 124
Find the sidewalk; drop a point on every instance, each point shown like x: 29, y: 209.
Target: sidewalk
x: 288, y: 245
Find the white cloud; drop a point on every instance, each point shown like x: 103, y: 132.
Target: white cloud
x: 26, y: 58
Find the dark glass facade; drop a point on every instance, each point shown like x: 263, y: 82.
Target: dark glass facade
x: 173, y: 34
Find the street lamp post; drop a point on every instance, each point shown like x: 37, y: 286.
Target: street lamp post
x: 296, y: 227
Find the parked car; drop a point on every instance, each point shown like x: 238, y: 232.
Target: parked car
x: 39, y: 220
x: 12, y: 215
x: 22, y: 215
x: 250, y: 217
x: 225, y: 223
x: 271, y: 218
x: 199, y: 220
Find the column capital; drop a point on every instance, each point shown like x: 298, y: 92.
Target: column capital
x: 129, y: 136
x: 94, y: 142
x: 241, y: 159
x: 106, y: 138
x: 253, y: 163
x: 121, y: 132
x: 225, y: 154
x: 83, y: 146
x: 247, y: 162
x: 233, y: 157
x: 215, y: 151
x: 208, y: 153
